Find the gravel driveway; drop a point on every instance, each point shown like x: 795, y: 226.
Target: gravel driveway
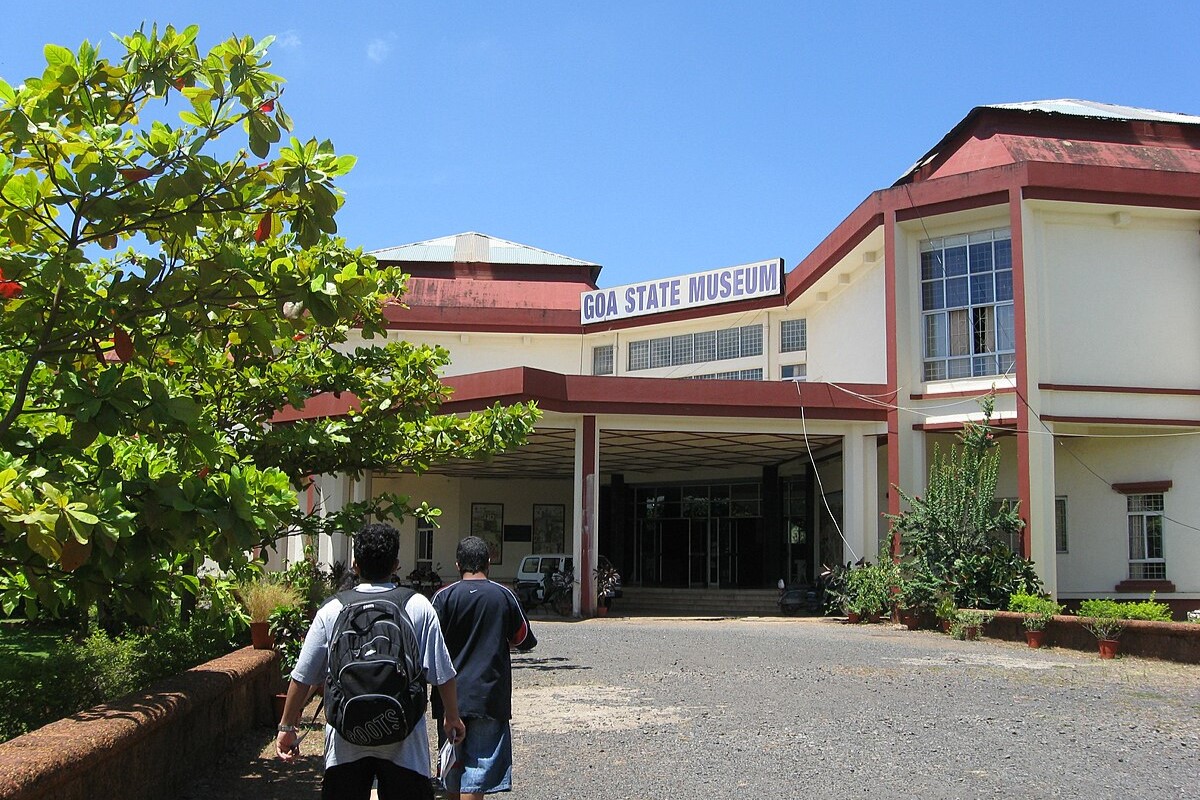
x: 654, y: 708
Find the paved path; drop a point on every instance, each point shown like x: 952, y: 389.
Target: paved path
x: 809, y: 708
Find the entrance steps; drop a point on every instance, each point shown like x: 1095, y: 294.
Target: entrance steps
x: 647, y: 601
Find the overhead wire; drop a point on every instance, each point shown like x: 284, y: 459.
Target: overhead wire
x: 817, y: 474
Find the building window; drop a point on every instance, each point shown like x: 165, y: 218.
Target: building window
x: 793, y: 335
x: 639, y: 354
x: 424, y: 543
x: 1060, y: 524
x: 793, y: 372
x: 1013, y: 540
x: 602, y: 360
x: 1145, y: 514
x: 696, y: 348
x: 734, y: 375
x: 967, y: 305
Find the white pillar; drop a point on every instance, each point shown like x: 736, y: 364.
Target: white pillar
x: 854, y: 524
x: 587, y: 468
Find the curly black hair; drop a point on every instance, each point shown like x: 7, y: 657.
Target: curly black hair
x: 376, y: 548
x: 473, y: 555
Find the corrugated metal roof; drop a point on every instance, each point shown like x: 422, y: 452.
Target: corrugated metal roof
x: 1090, y: 108
x: 476, y: 248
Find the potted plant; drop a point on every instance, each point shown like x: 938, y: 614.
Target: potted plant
x: 916, y: 594
x: 259, y: 598
x: 945, y: 610
x: 968, y: 622
x: 288, y: 626
x: 1106, y: 620
x: 1037, y: 610
x: 608, y: 585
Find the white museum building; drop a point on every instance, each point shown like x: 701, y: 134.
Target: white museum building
x: 721, y: 430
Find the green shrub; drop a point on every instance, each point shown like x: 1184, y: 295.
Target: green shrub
x: 1148, y: 610
x: 99, y: 668
x: 1037, y: 608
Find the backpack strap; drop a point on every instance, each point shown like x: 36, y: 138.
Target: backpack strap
x: 400, y: 595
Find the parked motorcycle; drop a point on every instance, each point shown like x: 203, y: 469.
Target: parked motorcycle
x: 554, y: 591
x: 798, y: 597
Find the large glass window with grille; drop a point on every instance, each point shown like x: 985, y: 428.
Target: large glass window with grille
x: 1146, y: 559
x: 967, y: 305
x: 602, y: 360
x: 696, y: 348
x: 732, y: 375
x: 793, y: 335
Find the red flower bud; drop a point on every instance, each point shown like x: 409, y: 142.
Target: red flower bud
x: 264, y: 228
x: 267, y: 107
x: 299, y: 337
x: 203, y: 473
x: 10, y: 289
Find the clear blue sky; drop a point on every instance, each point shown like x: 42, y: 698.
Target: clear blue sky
x: 655, y: 138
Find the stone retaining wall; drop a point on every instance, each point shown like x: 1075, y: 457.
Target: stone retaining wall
x: 147, y: 744
x: 1170, y: 641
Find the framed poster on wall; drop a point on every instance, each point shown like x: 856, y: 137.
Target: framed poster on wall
x: 487, y: 522
x: 549, y: 522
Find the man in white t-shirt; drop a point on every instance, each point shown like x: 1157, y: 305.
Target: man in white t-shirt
x: 401, y: 769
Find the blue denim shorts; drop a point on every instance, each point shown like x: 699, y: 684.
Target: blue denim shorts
x: 486, y: 754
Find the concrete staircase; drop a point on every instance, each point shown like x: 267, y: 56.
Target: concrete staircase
x: 644, y: 601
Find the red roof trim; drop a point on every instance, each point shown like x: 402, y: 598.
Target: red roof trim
x: 941, y: 427
x: 590, y: 394
x: 1075, y: 387
x: 960, y: 395
x: 1186, y: 423
x: 1143, y: 487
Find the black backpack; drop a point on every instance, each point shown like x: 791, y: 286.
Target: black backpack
x: 375, y: 690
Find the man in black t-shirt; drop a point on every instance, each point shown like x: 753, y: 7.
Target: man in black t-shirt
x: 480, y: 620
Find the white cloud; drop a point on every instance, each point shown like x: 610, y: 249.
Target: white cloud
x: 289, y: 39
x: 379, y: 49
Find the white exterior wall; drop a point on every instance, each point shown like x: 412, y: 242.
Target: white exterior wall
x: 1097, y: 534
x: 847, y: 334
x: 1114, y: 292
x: 454, y: 497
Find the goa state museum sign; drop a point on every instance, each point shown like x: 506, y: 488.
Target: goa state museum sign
x: 743, y: 282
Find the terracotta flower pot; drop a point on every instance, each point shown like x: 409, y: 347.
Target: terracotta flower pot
x: 910, y: 619
x: 971, y: 632
x: 260, y: 636
x: 1108, y: 648
x: 601, y: 611
x: 945, y: 623
x: 853, y: 617
x: 1035, y: 638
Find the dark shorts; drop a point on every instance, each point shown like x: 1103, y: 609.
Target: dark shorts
x: 486, y: 765
x: 353, y: 781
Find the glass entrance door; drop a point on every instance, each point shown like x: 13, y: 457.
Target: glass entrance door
x: 695, y: 535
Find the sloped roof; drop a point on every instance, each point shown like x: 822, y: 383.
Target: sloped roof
x: 1090, y: 108
x: 476, y: 248
x: 951, y: 155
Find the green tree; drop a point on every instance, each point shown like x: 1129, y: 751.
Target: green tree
x: 170, y: 279
x: 957, y: 534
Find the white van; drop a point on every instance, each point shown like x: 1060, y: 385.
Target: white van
x: 535, y: 567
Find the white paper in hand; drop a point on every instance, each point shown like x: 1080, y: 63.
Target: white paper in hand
x: 448, y: 758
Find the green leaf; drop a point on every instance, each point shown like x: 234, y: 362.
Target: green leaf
x: 57, y: 55
x: 183, y: 409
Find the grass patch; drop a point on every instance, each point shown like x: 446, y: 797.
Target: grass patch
x: 25, y: 647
